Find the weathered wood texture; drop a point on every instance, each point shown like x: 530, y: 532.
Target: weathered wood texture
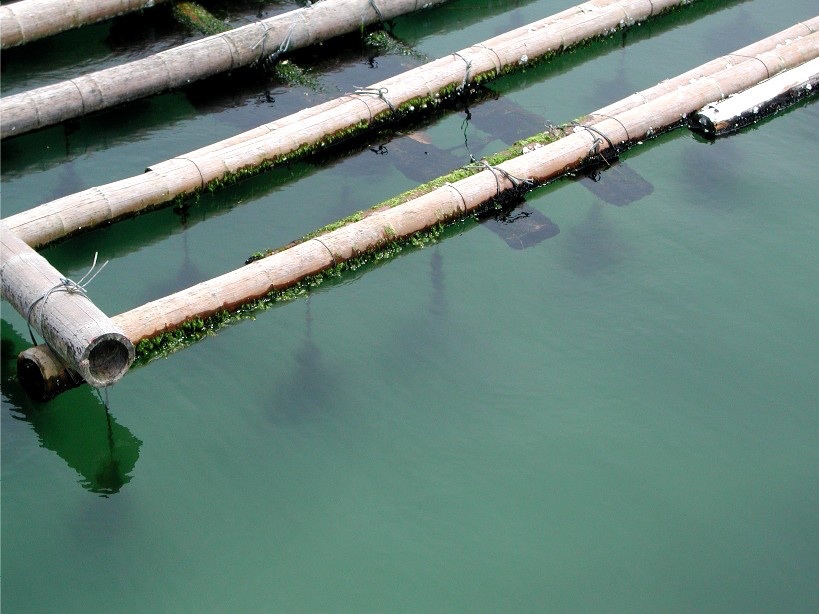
x: 29, y: 20
x: 189, y: 172
x: 662, y: 111
x: 84, y: 338
x: 772, y: 95
x: 181, y: 65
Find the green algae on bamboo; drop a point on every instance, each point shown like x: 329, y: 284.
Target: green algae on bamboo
x: 195, y: 329
x: 196, y: 17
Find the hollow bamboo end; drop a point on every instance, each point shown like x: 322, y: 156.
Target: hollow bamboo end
x: 106, y: 359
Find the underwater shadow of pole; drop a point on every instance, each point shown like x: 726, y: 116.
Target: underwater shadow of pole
x: 311, y: 389
x: 77, y: 426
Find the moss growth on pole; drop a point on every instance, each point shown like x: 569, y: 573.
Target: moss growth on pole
x: 196, y: 17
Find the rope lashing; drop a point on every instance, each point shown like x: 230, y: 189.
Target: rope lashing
x: 497, y: 171
x: 324, y: 245
x: 458, y: 192
x: 622, y: 125
x: 68, y: 286
x: 751, y: 57
x: 499, y: 67
x: 376, y: 91
x: 377, y: 11
x: 283, y: 47
x: 468, y: 66
x: 594, y: 150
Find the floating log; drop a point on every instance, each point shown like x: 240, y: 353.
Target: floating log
x: 314, y: 127
x: 52, y: 104
x: 455, y: 200
x: 85, y: 339
x: 751, y: 105
x: 29, y: 20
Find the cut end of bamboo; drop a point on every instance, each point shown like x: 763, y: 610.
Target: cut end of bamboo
x: 107, y: 359
x: 43, y: 376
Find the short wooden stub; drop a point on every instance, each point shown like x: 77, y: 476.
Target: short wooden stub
x: 75, y: 330
x: 748, y: 107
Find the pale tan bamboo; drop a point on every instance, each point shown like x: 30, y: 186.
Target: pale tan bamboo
x: 82, y: 336
x: 455, y: 200
x: 189, y: 172
x: 727, y: 116
x: 202, y: 58
x: 30, y: 20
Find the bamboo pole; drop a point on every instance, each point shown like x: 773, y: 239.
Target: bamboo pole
x: 30, y: 20
x: 187, y: 173
x: 732, y: 114
x: 83, y: 337
x: 52, y: 104
x: 452, y: 201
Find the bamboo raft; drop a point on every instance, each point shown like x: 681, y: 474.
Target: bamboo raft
x: 602, y: 133
x: 82, y: 344
x: 318, y: 126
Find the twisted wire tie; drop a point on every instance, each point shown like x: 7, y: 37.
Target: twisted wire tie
x: 468, y: 66
x: 65, y: 285
x: 458, y: 192
x: 628, y: 136
x: 377, y: 11
x: 376, y: 91
x: 595, y: 148
x: 283, y: 47
x: 496, y: 170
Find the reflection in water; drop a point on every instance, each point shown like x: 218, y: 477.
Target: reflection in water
x: 77, y: 426
x: 188, y: 273
x: 592, y: 246
x: 311, y: 389
x: 438, y: 303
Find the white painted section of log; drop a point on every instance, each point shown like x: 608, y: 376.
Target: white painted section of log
x: 84, y: 338
x: 187, y: 173
x: 193, y: 61
x: 452, y: 201
x: 29, y: 20
x: 746, y: 106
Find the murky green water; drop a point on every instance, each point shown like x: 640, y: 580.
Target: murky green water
x: 619, y: 418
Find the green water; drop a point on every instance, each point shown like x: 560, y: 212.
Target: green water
x: 620, y: 418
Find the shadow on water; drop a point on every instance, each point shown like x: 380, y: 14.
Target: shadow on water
x: 593, y: 246
x: 452, y: 17
x: 186, y: 275
x: 77, y: 426
x: 616, y: 184
x: 311, y: 390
